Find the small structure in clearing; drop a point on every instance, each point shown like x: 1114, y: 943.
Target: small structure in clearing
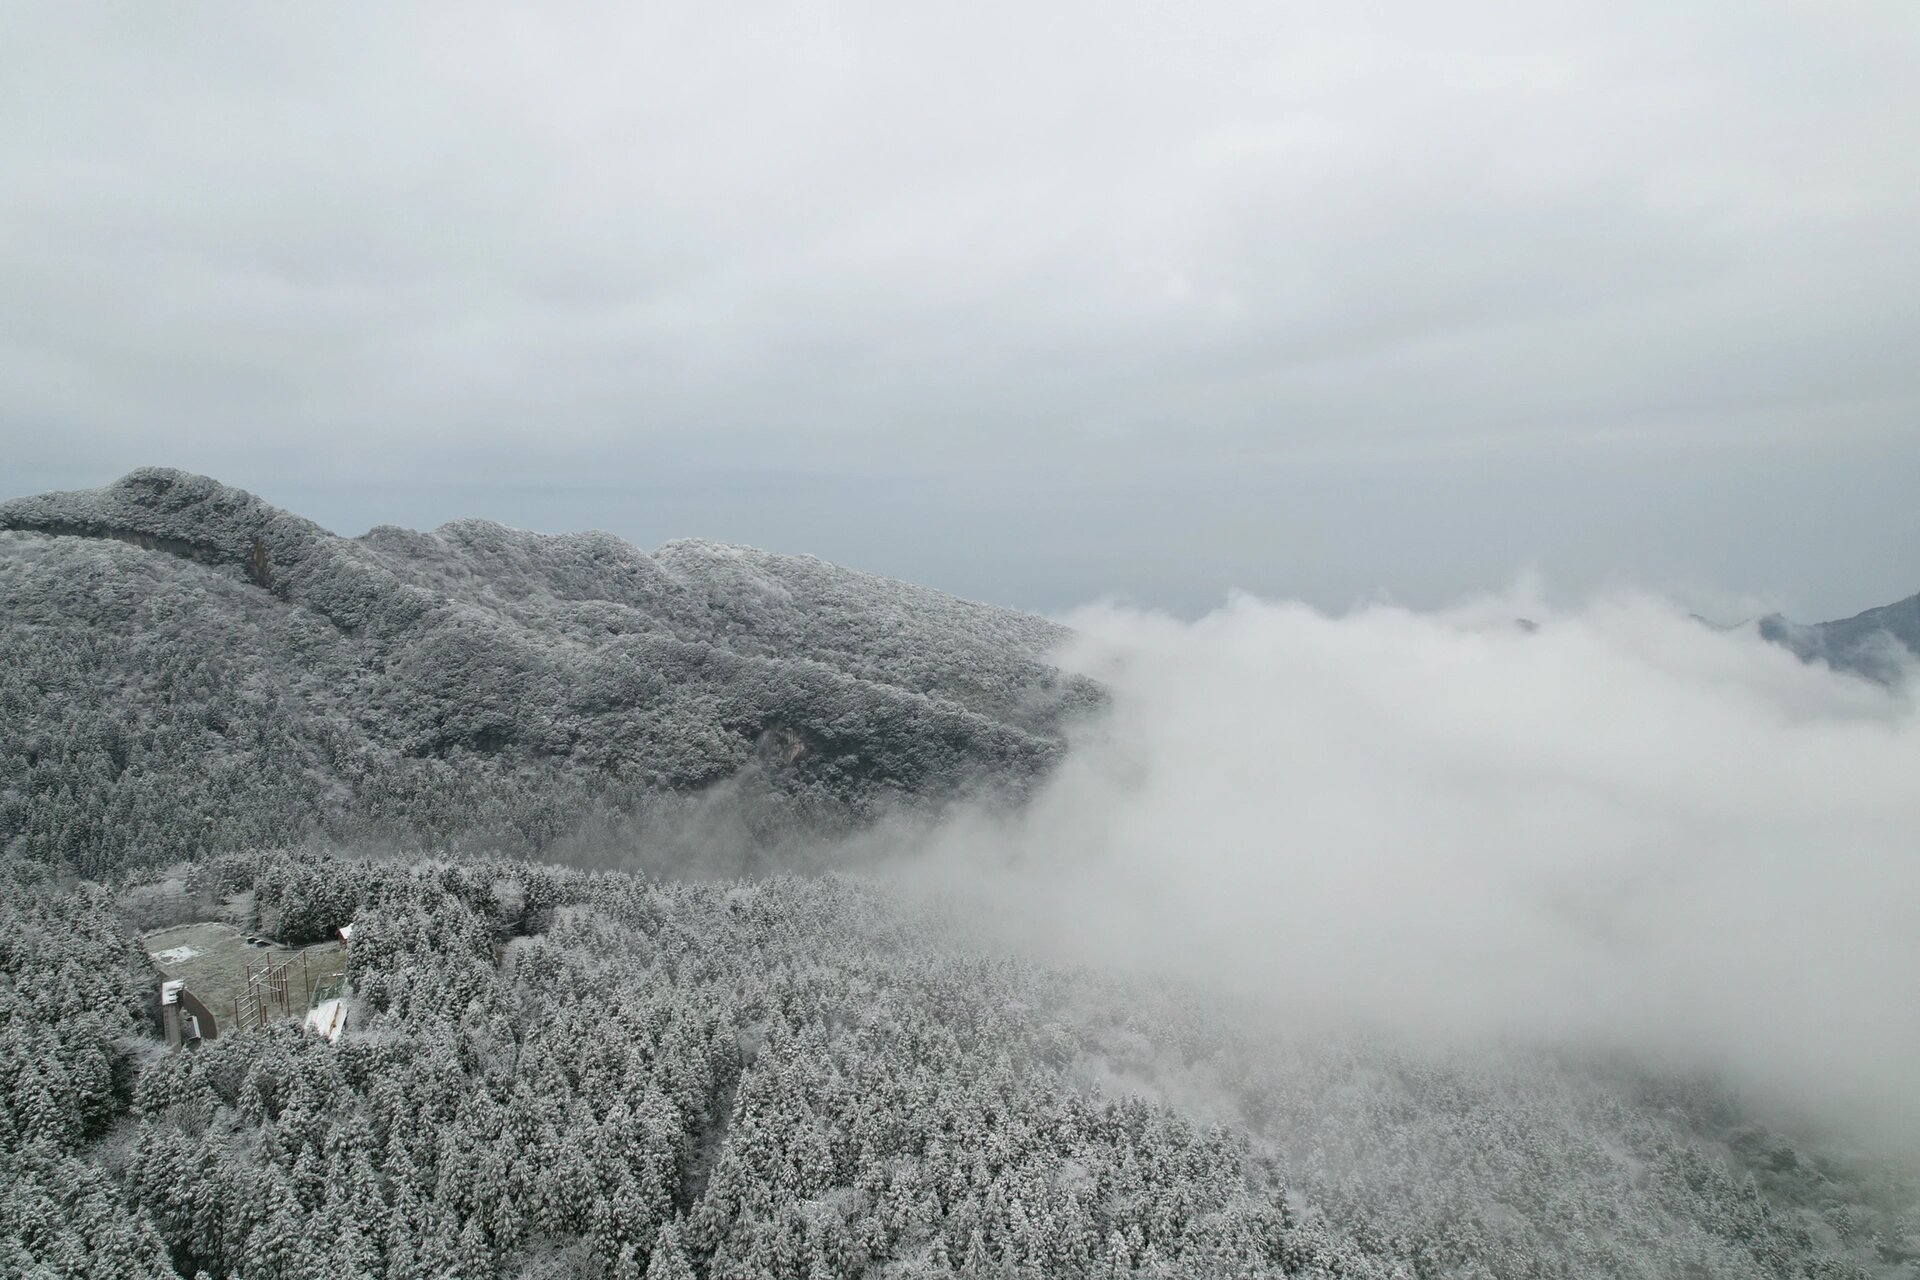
x: 240, y: 980
x: 328, y: 1018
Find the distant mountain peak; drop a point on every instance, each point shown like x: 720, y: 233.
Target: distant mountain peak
x: 497, y: 678
x: 1880, y: 643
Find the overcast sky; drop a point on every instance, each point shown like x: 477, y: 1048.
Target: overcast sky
x: 1035, y: 301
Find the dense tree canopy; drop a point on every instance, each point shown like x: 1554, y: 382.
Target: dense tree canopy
x: 185, y: 669
x: 215, y: 709
x: 556, y: 1073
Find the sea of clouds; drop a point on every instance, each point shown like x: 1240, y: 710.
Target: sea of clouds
x: 1612, y: 826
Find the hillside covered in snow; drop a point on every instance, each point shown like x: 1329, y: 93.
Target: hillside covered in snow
x: 185, y: 668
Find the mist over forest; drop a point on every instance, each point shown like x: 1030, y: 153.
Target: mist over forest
x: 718, y: 913
x: 1022, y: 640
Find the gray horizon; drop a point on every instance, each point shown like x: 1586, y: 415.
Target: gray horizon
x: 1033, y: 305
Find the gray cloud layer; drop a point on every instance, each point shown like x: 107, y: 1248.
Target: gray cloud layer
x: 1031, y: 301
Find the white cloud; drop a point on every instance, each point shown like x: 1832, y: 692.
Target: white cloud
x: 1623, y: 829
x: 996, y: 245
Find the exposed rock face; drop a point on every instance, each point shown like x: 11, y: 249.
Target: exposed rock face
x: 475, y: 680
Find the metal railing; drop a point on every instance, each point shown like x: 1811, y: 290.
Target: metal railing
x: 270, y: 990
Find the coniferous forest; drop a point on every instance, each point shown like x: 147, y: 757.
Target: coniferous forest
x: 614, y: 1009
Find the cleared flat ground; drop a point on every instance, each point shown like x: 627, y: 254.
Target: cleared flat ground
x: 212, y: 958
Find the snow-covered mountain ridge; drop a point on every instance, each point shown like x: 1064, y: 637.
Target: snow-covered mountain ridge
x: 475, y: 681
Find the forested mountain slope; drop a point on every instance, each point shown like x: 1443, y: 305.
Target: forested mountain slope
x: 555, y: 1074
x: 185, y: 668
x: 552, y: 1075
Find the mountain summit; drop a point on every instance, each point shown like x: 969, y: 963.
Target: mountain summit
x: 1878, y: 643
x: 168, y: 633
